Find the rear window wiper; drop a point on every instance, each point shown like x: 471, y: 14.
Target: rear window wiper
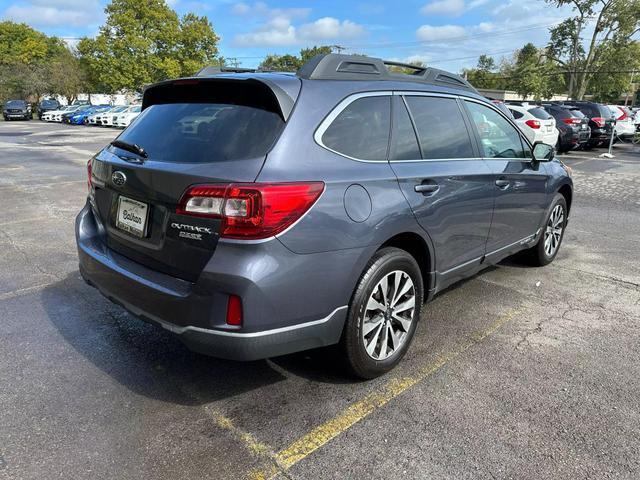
x: 130, y: 147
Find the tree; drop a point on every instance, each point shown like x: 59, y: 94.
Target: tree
x: 291, y: 63
x: 616, y: 21
x: 532, y: 73
x: 483, y: 76
x: 144, y: 41
x: 613, y: 80
x: 29, y: 60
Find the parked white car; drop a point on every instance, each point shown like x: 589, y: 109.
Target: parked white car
x: 124, y: 119
x: 536, y: 123
x: 106, y: 118
x: 625, y: 125
x: 56, y: 115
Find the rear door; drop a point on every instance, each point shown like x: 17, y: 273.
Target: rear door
x: 518, y: 183
x: 443, y: 178
x: 135, y: 195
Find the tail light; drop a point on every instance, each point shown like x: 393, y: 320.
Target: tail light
x: 599, y: 121
x: 535, y: 124
x: 251, y: 210
x: 234, y: 310
x: 572, y: 121
x: 624, y: 115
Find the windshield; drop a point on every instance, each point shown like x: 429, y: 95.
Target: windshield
x: 204, y: 132
x: 49, y: 103
x: 16, y: 103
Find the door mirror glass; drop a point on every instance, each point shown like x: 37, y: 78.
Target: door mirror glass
x: 543, y: 152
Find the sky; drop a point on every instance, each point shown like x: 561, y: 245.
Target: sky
x: 447, y: 34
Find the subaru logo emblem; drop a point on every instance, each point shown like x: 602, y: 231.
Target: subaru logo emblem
x: 118, y: 179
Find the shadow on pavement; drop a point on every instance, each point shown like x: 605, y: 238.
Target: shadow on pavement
x: 144, y: 358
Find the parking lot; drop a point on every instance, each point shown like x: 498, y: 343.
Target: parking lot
x: 518, y: 372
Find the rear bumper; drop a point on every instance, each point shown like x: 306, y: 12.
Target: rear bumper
x: 288, y: 305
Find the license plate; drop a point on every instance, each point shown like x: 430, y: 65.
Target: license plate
x: 132, y: 216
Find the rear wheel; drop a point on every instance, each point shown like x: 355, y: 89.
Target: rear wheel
x: 383, y: 313
x: 545, y: 251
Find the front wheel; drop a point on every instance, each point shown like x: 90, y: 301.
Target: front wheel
x: 383, y: 313
x: 545, y: 251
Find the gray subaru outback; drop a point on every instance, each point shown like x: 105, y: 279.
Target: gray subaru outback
x: 258, y: 214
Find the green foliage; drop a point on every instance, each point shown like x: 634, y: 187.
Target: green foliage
x: 144, y: 41
x: 484, y: 75
x: 32, y: 64
x: 610, y: 25
x: 291, y: 63
x: 606, y: 86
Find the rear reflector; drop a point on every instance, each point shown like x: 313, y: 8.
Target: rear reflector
x: 251, y: 211
x: 234, y: 310
x: 89, y: 173
x: 535, y: 124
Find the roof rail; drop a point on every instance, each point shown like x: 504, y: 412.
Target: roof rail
x: 217, y: 69
x: 335, y: 66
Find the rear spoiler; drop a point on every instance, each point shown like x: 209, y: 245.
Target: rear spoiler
x: 274, y: 94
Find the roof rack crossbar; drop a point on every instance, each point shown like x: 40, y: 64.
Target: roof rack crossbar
x: 335, y: 66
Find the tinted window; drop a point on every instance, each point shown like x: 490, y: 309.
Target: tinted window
x: 362, y: 129
x: 499, y: 139
x: 539, y: 113
x: 404, y: 145
x: 203, y: 132
x: 516, y: 114
x: 441, y: 129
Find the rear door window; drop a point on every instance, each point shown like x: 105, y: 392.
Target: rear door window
x: 404, y: 144
x: 539, y: 113
x: 440, y: 125
x: 516, y: 114
x: 498, y: 138
x: 362, y: 129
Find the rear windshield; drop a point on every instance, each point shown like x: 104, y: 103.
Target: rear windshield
x: 204, y: 132
x: 539, y: 113
x: 577, y: 113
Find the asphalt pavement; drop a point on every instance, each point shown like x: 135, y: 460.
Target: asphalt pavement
x: 519, y: 372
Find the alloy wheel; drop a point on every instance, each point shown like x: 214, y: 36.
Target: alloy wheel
x: 388, y: 315
x: 553, y: 233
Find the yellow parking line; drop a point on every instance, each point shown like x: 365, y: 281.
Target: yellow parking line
x: 321, y: 435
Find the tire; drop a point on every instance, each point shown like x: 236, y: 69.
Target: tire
x: 401, y: 271
x: 543, y: 253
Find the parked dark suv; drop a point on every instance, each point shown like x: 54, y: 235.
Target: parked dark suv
x: 572, y: 124
x: 47, y: 106
x: 600, y: 121
x: 17, y: 110
x: 259, y: 214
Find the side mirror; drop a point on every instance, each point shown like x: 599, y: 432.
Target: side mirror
x: 543, y: 152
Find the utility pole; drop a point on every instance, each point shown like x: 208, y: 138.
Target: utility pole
x: 626, y: 98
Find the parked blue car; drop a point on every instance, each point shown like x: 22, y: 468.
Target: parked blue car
x: 80, y: 116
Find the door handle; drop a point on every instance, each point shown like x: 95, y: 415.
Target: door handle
x: 427, y: 188
x: 503, y: 183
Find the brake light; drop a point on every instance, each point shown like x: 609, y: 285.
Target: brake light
x: 624, y: 115
x: 251, y: 210
x: 89, y: 182
x: 234, y: 310
x: 599, y: 121
x: 535, y: 124
x: 572, y: 121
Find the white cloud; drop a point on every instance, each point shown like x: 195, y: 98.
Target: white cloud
x: 328, y: 28
x: 428, y: 33
x: 278, y: 29
x: 444, y: 7
x: 55, y: 13
x: 453, y: 8
x: 261, y: 9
